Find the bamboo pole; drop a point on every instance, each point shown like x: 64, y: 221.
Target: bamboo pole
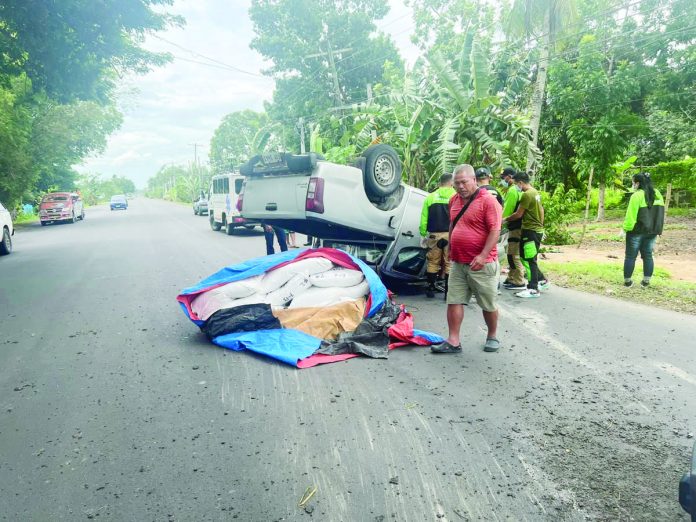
x: 587, y: 206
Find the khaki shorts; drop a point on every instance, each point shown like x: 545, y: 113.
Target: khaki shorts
x: 464, y: 282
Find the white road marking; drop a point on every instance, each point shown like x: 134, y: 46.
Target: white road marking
x: 676, y: 372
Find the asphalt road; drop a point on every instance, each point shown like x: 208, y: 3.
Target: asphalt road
x: 114, y: 406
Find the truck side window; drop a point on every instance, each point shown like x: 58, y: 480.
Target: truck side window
x: 410, y: 260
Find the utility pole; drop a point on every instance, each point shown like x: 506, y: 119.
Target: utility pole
x: 373, y: 132
x: 196, y: 169
x: 302, y: 136
x: 338, y: 97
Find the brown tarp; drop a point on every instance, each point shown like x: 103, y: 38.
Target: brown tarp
x: 324, y: 323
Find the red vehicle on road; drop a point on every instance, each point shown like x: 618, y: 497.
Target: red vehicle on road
x: 61, y: 206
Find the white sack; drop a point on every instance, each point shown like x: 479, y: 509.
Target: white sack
x: 208, y: 303
x: 307, y: 267
x: 337, y: 276
x: 298, y: 284
x: 239, y: 289
x: 315, y: 296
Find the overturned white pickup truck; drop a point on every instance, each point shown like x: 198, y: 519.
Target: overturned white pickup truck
x: 363, y: 208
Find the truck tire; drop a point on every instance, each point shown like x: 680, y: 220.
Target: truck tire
x: 214, y: 225
x: 6, y: 243
x: 382, y: 172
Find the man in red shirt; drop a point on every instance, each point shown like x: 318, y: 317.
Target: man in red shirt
x: 475, y: 219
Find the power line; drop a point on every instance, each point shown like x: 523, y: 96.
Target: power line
x: 218, y: 62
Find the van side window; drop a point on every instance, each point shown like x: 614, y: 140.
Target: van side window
x: 238, y: 185
x: 226, y: 186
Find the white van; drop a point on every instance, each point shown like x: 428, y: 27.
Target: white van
x: 222, y: 203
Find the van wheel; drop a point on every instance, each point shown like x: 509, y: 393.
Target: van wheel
x: 229, y: 229
x: 6, y: 244
x: 382, y: 173
x: 214, y: 224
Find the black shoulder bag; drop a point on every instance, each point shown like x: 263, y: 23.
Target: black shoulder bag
x: 465, y: 208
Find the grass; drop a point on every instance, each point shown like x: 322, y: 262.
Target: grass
x: 607, y: 279
x: 25, y: 219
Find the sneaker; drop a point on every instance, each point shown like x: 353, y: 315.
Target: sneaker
x: 628, y: 284
x: 445, y: 347
x: 513, y: 286
x: 529, y: 293
x: 645, y: 283
x: 544, y: 285
x: 430, y: 292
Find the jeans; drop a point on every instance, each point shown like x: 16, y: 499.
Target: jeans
x: 643, y: 243
x: 280, y: 234
x: 534, y: 272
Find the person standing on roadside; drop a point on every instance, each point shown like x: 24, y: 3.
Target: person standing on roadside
x: 268, y: 232
x: 483, y: 180
x: 474, y: 229
x: 515, y: 278
x: 645, y: 217
x: 434, y: 231
x: 532, y: 213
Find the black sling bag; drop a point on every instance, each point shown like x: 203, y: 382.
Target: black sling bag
x: 465, y: 208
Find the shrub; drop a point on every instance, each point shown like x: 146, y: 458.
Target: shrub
x: 558, y: 208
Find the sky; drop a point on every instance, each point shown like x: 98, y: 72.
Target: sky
x: 170, y: 114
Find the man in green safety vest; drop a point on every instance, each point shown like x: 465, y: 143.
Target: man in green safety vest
x: 434, y: 231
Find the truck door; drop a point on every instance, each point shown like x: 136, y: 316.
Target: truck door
x: 405, y: 258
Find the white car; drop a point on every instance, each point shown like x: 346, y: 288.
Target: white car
x: 7, y: 231
x: 364, y: 209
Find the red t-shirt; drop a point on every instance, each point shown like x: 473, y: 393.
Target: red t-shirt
x: 469, y: 236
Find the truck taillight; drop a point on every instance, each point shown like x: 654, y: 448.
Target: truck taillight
x: 315, y: 196
x: 240, y: 201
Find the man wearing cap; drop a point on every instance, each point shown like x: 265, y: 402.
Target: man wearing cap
x: 483, y: 180
x: 515, y: 279
x: 434, y: 231
x: 474, y: 229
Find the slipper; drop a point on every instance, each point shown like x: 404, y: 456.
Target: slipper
x: 492, y: 345
x: 446, y: 347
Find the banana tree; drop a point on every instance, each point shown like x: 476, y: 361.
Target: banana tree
x: 476, y: 127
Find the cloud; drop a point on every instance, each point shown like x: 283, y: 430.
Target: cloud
x: 178, y: 105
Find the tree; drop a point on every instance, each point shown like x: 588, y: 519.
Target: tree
x: 239, y: 136
x: 591, y: 98
x: 542, y: 19
x: 324, y: 53
x: 72, y: 49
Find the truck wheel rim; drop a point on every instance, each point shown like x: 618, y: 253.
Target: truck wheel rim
x: 384, y: 171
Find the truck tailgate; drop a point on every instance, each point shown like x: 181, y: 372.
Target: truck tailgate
x: 267, y: 197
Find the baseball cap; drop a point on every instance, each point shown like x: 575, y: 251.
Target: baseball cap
x: 483, y: 172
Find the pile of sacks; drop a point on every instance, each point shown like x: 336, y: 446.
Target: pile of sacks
x: 308, y: 283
